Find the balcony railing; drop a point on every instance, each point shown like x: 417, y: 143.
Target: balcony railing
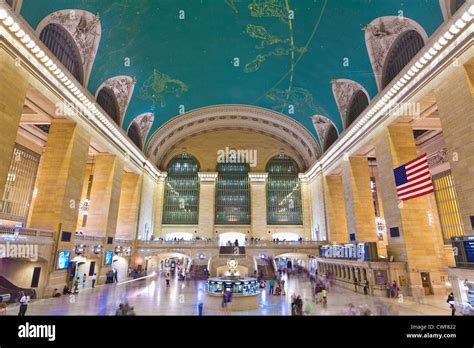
x: 13, y: 234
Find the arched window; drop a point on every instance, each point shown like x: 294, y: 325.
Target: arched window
x: 181, y: 205
x: 62, y: 45
x: 456, y: 5
x: 331, y: 137
x: 106, y: 99
x: 134, y: 135
x: 358, y: 103
x: 407, y: 45
x: 283, y: 192
x: 233, y: 194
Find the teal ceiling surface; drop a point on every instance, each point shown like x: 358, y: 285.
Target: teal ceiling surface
x: 193, y: 61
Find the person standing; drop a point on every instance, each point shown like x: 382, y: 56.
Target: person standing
x: 324, y: 294
x: 167, y: 279
x: 229, y: 302
x: 395, y: 288
x: 24, y: 300
x: 115, y: 275
x: 283, y: 281
x: 366, y: 287
x: 355, y: 284
x: 271, y: 283
x: 94, y: 278
x: 84, y: 279
x: 387, y: 289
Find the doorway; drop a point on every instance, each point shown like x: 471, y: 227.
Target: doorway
x: 426, y: 283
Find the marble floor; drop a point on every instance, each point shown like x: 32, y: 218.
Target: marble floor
x: 151, y: 297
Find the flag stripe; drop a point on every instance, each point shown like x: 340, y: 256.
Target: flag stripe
x: 405, y: 198
x: 415, y: 188
x: 412, y: 162
x: 418, y: 179
x: 414, y: 179
x: 417, y: 170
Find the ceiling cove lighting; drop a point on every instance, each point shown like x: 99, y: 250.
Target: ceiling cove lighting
x: 449, y: 35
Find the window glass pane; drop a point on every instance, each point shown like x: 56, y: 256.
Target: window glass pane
x: 283, y: 192
x: 233, y: 194
x: 181, y: 204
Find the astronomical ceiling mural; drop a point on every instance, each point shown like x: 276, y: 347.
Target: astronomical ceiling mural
x: 277, y: 54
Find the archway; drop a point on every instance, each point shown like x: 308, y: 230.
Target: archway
x: 225, y: 238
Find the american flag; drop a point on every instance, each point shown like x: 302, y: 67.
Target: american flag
x: 413, y: 179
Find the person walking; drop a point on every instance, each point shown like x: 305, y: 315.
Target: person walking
x: 451, y: 302
x: 84, y: 279
x: 24, y: 300
x: 355, y: 284
x: 115, y: 275
x: 76, y: 285
x: 224, y: 301
x: 366, y: 287
x: 167, y: 279
x: 94, y: 278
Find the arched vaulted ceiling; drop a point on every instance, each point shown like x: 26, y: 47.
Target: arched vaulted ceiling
x: 276, y: 54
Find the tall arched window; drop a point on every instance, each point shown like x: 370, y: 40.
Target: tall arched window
x: 456, y: 5
x: 283, y: 192
x: 62, y: 45
x: 106, y: 99
x: 233, y: 194
x: 134, y: 135
x: 407, y: 45
x: 358, y: 103
x: 181, y: 205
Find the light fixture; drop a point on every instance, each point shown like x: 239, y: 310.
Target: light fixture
x: 26, y: 39
x: 15, y: 27
x: 8, y: 21
x: 454, y: 30
x: 20, y: 34
x: 3, y: 14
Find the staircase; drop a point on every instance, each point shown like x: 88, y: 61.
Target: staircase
x: 267, y: 267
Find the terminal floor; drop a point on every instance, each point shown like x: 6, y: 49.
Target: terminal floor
x: 151, y: 297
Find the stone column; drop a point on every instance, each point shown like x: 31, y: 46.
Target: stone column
x: 59, y: 185
x: 454, y: 95
x: 128, y: 207
x: 207, y: 204
x: 13, y: 88
x: 159, y: 202
x: 306, y: 207
x: 258, y: 204
x: 360, y: 212
x: 104, y: 204
x: 417, y: 244
x: 336, y: 209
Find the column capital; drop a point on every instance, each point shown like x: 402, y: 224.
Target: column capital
x: 303, y: 178
x: 162, y: 177
x: 207, y: 177
x: 258, y: 178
